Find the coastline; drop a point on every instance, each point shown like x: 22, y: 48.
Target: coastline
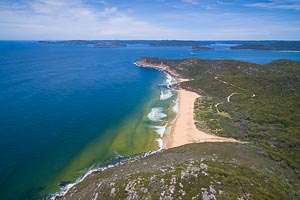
x: 184, y: 130
x: 65, y: 189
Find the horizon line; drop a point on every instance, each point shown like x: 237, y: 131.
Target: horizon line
x: 287, y: 40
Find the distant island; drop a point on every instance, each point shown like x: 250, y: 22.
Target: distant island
x: 196, y: 48
x: 270, y: 45
x: 178, y: 43
x: 69, y: 42
x: 110, y: 45
x: 94, y: 43
x: 195, y: 45
x: 255, y: 106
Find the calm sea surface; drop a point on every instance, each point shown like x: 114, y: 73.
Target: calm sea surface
x: 64, y: 109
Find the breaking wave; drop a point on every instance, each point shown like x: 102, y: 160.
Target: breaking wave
x: 64, y: 189
x: 167, y: 95
x: 156, y: 114
x: 176, y: 106
x: 160, y: 142
x: 160, y: 129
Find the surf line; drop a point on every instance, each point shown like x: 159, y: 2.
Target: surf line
x: 157, y: 114
x: 122, y: 161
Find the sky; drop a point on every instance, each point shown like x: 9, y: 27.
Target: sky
x: 150, y: 19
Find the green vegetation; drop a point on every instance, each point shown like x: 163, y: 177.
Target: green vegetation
x: 271, y: 45
x: 263, y: 110
x: 195, y: 171
x: 253, y: 103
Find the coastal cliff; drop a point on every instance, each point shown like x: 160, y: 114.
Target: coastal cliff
x: 246, y: 101
x: 158, y: 64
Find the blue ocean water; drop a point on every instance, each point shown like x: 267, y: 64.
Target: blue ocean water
x: 56, y: 100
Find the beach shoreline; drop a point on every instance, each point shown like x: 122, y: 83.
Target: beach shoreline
x: 184, y: 130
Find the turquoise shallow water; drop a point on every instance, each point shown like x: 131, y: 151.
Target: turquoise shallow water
x: 65, y: 108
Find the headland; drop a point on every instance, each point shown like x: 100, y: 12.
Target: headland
x: 184, y: 130
x: 246, y: 101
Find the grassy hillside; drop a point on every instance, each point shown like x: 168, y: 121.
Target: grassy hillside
x: 255, y: 103
x: 195, y: 171
x: 263, y: 109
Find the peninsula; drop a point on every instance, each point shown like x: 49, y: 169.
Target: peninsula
x: 270, y: 45
x: 184, y: 131
x: 109, y: 45
x: 197, y: 48
x: 253, y: 103
x: 93, y: 43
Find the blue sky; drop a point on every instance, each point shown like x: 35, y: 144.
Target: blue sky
x: 150, y: 19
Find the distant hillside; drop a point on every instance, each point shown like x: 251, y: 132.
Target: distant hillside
x: 178, y: 43
x: 271, y: 45
x: 109, y: 45
x: 94, y: 43
x: 257, y: 45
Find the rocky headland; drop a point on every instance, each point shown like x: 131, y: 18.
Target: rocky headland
x: 244, y: 101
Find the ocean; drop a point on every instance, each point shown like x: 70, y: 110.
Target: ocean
x: 68, y: 109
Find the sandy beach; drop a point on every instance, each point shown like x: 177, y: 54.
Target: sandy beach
x: 184, y: 130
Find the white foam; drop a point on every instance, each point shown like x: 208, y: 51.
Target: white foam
x: 137, y: 64
x: 156, y: 114
x: 160, y: 129
x: 167, y: 95
x: 65, y: 189
x: 169, y: 78
x: 176, y: 106
x: 168, y: 130
x: 160, y: 143
x: 169, y: 81
x: 118, y: 155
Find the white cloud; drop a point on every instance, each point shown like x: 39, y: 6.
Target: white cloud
x: 109, y: 11
x: 74, y: 19
x: 193, y: 2
x: 277, y: 4
x: 54, y: 19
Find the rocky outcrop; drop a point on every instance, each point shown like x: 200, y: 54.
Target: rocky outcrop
x: 157, y: 64
x: 197, y: 171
